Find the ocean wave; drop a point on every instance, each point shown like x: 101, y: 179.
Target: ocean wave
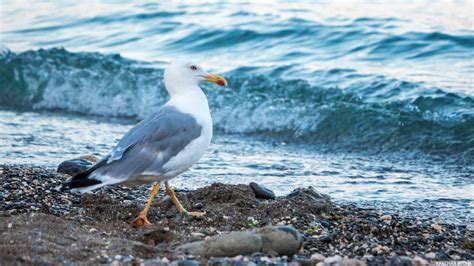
x: 360, y: 112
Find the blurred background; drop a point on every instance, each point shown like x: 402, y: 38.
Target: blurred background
x: 369, y: 102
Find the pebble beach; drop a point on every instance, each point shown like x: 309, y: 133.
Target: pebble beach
x: 43, y: 225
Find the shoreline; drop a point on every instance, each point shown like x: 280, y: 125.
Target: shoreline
x: 42, y: 225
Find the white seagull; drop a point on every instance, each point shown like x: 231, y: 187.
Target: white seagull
x: 163, y: 145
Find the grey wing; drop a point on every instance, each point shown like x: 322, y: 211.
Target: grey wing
x: 150, y: 144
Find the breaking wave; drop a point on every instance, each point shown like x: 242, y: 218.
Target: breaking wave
x: 355, y: 112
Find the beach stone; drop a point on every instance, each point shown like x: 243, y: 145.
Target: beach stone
x: 401, y: 261
x: 308, y: 191
x: 470, y: 227
x: 437, y: 227
x: 441, y: 255
x: 231, y: 244
x: 326, y: 238
x: 333, y: 260
x: 262, y: 192
x: 188, y: 262
x: 386, y: 217
x: 325, y: 223
x: 430, y: 255
x: 468, y: 242
x: 75, y: 166
x: 419, y: 261
x: 284, y: 240
x: 198, y: 206
x: 319, y: 202
x: 352, y: 262
x: 316, y: 257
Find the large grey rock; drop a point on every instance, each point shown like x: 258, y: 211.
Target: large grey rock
x: 283, y: 240
x: 232, y: 244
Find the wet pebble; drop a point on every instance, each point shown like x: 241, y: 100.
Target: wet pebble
x: 198, y: 206
x: 261, y: 191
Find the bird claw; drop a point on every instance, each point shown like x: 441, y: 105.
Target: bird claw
x: 141, y: 221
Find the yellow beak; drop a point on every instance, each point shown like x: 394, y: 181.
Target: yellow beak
x: 216, y: 79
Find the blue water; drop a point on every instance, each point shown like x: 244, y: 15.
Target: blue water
x: 365, y: 101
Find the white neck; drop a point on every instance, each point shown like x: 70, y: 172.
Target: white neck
x: 191, y: 100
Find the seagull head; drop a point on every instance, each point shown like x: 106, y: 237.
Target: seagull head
x: 182, y: 75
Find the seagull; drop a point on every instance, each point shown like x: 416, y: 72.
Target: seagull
x: 161, y: 146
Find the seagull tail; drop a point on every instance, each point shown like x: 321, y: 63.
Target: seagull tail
x: 84, y: 181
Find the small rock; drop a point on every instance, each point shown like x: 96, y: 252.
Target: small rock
x: 198, y: 234
x: 188, y: 263
x: 92, y: 230
x: 10, y: 225
x: 326, y: 239
x: 128, y: 258
x: 386, y: 217
x: 325, y: 223
x: 468, y: 242
x: 430, y: 255
x: 470, y: 227
x: 419, y: 261
x: 333, y: 259
x: 437, y: 227
x: 298, y: 261
x: 198, y: 206
x: 352, y: 262
x: 316, y: 257
x: 441, y: 255
x: 261, y: 191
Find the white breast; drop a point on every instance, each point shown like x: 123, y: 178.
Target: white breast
x: 195, y: 104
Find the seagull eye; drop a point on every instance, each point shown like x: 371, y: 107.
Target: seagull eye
x: 193, y: 67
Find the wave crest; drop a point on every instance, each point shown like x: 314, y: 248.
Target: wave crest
x: 350, y: 118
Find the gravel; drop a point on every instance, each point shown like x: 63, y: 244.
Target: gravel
x: 42, y: 225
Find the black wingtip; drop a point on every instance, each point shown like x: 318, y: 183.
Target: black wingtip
x: 81, y: 180
x: 80, y: 183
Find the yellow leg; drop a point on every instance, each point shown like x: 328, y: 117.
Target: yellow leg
x: 176, y: 202
x: 142, y: 220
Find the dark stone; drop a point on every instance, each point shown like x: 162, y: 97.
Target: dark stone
x: 468, y: 255
x: 438, y: 238
x: 441, y: 255
x: 327, y: 238
x: 198, y: 206
x: 325, y: 223
x: 302, y: 261
x: 308, y: 192
x: 262, y: 192
x: 401, y: 261
x: 378, y: 260
x: 188, y: 263
x: 74, y: 166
